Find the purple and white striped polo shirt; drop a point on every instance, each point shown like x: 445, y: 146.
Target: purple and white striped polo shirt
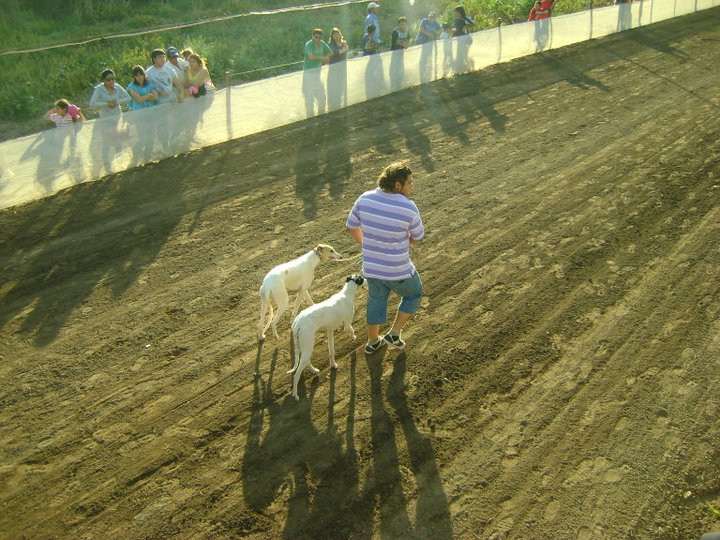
x: 386, y: 220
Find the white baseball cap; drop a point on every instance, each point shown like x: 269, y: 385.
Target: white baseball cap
x: 373, y: 5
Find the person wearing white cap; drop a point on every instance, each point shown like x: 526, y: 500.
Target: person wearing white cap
x: 372, y: 18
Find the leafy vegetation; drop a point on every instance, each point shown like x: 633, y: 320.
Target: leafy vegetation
x: 248, y: 47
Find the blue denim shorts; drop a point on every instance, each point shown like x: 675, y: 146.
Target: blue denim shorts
x: 410, y: 290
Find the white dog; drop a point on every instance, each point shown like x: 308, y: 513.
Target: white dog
x: 296, y: 275
x: 328, y: 315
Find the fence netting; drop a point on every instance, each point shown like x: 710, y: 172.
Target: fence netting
x: 39, y: 165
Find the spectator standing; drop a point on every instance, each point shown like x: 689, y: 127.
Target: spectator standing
x: 445, y: 33
x: 108, y: 96
x: 163, y: 76
x: 64, y: 114
x: 372, y: 19
x: 428, y: 30
x: 317, y: 53
x: 142, y: 92
x: 400, y: 35
x: 385, y: 222
x: 370, y: 44
x: 338, y: 46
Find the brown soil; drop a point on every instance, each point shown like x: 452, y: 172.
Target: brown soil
x: 560, y: 382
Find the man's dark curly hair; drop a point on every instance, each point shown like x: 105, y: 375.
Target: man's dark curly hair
x: 395, y: 172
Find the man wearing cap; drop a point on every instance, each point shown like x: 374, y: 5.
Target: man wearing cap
x: 372, y: 19
x: 429, y: 29
x: 179, y: 64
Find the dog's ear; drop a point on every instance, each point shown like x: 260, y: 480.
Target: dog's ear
x: 349, y: 279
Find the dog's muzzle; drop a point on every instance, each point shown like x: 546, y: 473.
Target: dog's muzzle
x: 357, y: 278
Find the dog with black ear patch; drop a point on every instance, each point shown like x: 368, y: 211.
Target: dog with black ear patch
x: 336, y: 311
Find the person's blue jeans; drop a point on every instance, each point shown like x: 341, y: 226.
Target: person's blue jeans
x: 410, y: 291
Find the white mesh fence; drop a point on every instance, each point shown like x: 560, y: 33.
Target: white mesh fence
x: 39, y: 165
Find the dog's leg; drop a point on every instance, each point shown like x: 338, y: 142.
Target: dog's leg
x: 296, y: 366
x: 298, y: 299
x: 282, y: 304
x: 331, y: 348
x: 263, y: 311
x: 304, y: 343
x: 349, y: 328
x: 308, y: 297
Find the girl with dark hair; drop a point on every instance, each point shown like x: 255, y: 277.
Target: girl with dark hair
x: 108, y: 96
x: 141, y: 90
x: 462, y: 23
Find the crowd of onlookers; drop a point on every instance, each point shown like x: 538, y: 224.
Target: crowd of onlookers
x: 173, y: 76
x: 318, y: 52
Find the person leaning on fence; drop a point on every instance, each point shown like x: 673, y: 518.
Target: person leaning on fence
x: 400, y: 36
x: 385, y: 222
x: 198, y: 77
x: 108, y: 96
x: 64, y: 114
x: 142, y: 92
x: 179, y: 64
x: 338, y: 46
x: 428, y: 30
x: 317, y: 52
x: 370, y: 44
x: 163, y: 76
x: 462, y: 24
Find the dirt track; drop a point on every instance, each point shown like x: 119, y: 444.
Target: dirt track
x: 560, y: 382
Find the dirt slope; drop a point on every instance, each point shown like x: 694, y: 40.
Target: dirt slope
x: 560, y: 382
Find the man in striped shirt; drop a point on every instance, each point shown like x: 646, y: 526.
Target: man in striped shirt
x: 386, y: 222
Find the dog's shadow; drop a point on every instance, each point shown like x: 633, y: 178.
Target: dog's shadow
x: 286, y: 457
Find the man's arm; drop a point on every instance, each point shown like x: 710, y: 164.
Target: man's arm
x: 356, y: 235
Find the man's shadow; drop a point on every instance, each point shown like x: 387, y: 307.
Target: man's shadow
x: 384, y: 485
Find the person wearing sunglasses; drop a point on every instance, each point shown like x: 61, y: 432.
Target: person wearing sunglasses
x: 108, y: 96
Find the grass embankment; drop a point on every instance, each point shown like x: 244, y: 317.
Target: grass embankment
x: 244, y: 46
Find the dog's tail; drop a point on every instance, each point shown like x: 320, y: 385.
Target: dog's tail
x: 296, y: 346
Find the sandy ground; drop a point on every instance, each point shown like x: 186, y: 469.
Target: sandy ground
x: 560, y: 381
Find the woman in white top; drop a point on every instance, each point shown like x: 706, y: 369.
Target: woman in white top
x: 108, y: 96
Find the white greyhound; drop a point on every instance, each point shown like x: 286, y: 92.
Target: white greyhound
x: 296, y: 275
x: 328, y: 315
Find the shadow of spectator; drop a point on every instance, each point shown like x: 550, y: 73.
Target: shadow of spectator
x: 337, y: 85
x: 313, y: 91
x: 397, y: 69
x: 374, y: 77
x: 323, y: 159
x: 543, y: 29
x: 463, y: 62
x: 624, y: 21
x: 54, y: 151
x: 109, y: 138
x: 432, y: 513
